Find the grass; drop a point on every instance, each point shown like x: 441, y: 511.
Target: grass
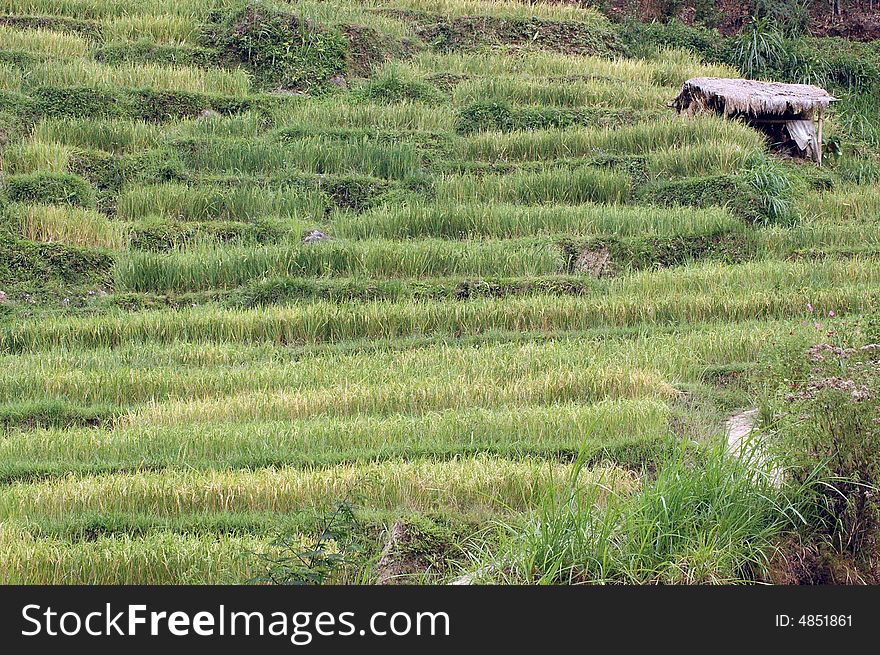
x: 631, y: 140
x: 111, y: 135
x: 43, y: 42
x: 713, y: 521
x: 499, y: 220
x: 552, y: 185
x: 205, y: 202
x: 70, y: 225
x: 155, y: 76
x: 212, y: 267
x: 541, y: 297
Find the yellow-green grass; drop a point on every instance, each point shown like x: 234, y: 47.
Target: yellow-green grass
x: 210, y: 267
x: 500, y: 220
x: 182, y: 380
x: 555, y: 185
x: 474, y: 484
x: 574, y: 93
x: 500, y: 8
x: 36, y: 156
x: 634, y: 139
x: 670, y: 69
x: 314, y: 154
x: 711, y: 157
x: 161, y: 28
x: 857, y: 203
x: 620, y: 430
x: 157, y: 76
x: 398, y: 116
x: 210, y: 202
x: 696, y: 293
x: 10, y: 78
x: 43, y: 42
x: 71, y: 225
x: 111, y: 135
x: 98, y: 9
x: 155, y: 558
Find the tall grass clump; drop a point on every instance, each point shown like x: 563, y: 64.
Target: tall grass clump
x: 36, y: 156
x: 156, y: 76
x: 111, y: 135
x: 71, y: 225
x: 502, y: 220
x: 706, y: 518
x: 635, y: 139
x: 43, y: 42
x: 215, y: 202
x: 551, y: 185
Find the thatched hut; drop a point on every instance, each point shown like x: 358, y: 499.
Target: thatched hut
x: 792, y: 115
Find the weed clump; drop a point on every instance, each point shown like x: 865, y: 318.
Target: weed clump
x: 280, y: 48
x: 50, y: 188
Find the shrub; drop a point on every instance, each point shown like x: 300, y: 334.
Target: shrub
x: 50, y: 188
x: 279, y: 47
x: 823, y: 413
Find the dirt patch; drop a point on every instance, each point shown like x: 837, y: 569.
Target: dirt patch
x: 416, y: 549
x: 595, y: 262
x: 369, y: 49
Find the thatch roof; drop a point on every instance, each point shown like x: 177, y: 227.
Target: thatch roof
x: 731, y: 97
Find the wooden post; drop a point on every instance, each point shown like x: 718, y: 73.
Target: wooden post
x: 819, y: 139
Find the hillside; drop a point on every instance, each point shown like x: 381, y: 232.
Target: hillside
x: 427, y: 261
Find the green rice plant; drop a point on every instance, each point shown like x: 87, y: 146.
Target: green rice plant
x: 111, y: 135
x: 242, y: 124
x: 71, y: 225
x: 37, y: 156
x: 161, y: 28
x: 156, y: 76
x: 310, y: 154
x: 214, y: 202
x: 43, y: 42
x: 211, y: 267
x: 691, y: 294
x: 498, y: 220
x: 551, y: 185
x: 99, y: 9
x: 631, y: 140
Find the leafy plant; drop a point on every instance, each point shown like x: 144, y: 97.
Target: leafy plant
x: 294, y: 562
x: 759, y: 48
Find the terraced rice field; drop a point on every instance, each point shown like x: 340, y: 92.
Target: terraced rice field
x: 529, y: 257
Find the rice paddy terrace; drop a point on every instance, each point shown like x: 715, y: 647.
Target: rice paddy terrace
x: 528, y: 256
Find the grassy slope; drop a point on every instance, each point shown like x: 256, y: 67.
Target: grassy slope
x: 183, y: 376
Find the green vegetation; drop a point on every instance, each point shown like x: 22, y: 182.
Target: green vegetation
x: 280, y: 279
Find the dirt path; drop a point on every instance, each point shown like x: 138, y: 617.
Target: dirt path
x: 738, y: 427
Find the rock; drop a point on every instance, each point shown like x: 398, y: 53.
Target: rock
x: 594, y: 261
x: 316, y: 236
